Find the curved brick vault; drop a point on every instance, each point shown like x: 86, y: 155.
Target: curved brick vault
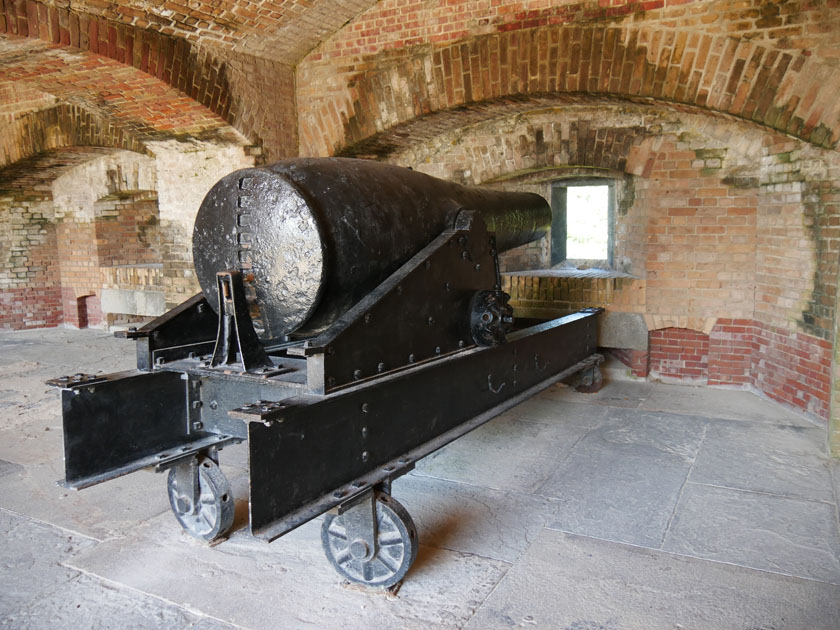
x: 240, y: 89
x: 64, y: 125
x: 542, y: 139
x: 141, y: 105
x: 783, y: 91
x: 405, y: 141
x: 284, y: 30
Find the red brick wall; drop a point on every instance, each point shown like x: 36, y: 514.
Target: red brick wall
x: 50, y: 262
x: 77, y: 256
x: 637, y: 360
x: 30, y: 274
x: 792, y: 368
x: 731, y: 350
x: 701, y: 236
x: 127, y: 231
x: 679, y: 353
x: 32, y: 307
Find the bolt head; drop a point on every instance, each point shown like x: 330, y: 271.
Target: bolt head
x: 359, y: 549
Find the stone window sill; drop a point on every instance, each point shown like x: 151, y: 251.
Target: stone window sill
x: 570, y: 273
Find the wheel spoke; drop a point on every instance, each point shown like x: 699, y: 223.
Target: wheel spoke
x: 338, y: 535
x: 367, y: 571
x: 381, y: 560
x: 343, y: 556
x: 388, y: 542
x: 388, y: 527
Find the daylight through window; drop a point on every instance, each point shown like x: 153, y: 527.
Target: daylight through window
x: 587, y: 225
x: 581, y: 232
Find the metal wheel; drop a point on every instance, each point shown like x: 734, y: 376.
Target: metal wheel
x: 394, y: 552
x: 205, y: 511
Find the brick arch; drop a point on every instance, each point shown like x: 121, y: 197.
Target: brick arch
x: 217, y: 78
x: 132, y: 101
x: 542, y: 138
x: 780, y: 90
x: 65, y: 125
x: 527, y: 147
x: 34, y: 238
x: 164, y: 57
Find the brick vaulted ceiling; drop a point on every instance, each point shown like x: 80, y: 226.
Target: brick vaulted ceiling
x: 280, y: 30
x: 234, y: 57
x: 328, y: 70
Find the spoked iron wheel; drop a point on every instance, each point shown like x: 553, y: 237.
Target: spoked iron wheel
x: 205, y: 511
x: 388, y: 560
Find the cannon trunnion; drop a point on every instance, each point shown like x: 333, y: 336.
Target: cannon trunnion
x: 366, y: 331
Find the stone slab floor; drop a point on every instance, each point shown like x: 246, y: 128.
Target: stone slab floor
x: 643, y: 506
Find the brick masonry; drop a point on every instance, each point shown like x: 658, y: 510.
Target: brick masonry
x: 637, y: 360
x: 30, y: 261
x: 79, y: 219
x: 722, y: 241
x: 141, y: 104
x: 680, y: 353
x: 791, y: 368
x: 254, y: 94
x: 278, y: 30
x: 351, y: 92
x: 60, y: 126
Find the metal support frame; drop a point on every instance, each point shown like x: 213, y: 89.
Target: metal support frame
x: 360, y: 525
x: 186, y: 480
x: 327, y: 443
x: 330, y: 423
x: 236, y: 341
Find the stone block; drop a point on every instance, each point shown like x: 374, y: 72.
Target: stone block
x: 149, y: 303
x: 622, y: 330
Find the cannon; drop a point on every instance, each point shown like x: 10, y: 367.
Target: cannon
x: 351, y: 321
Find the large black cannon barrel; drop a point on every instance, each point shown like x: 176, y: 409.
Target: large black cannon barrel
x: 314, y: 236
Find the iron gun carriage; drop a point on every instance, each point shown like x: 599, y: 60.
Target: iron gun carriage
x: 351, y: 322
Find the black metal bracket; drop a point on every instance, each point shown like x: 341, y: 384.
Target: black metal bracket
x: 422, y: 310
x: 187, y: 330
x: 186, y: 481
x: 236, y: 341
x: 361, y: 526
